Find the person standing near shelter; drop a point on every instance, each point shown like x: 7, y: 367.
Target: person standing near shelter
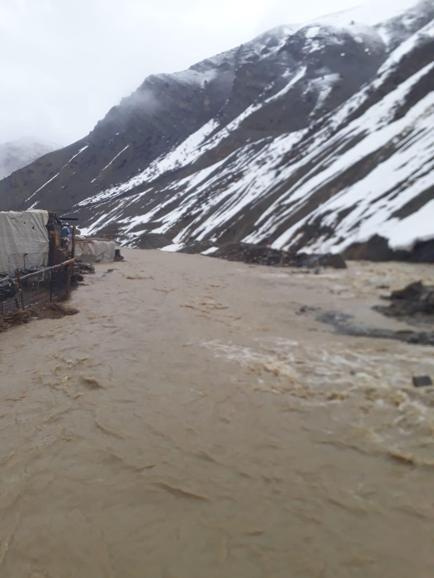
x: 65, y: 236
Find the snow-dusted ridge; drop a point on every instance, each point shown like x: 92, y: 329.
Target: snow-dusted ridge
x: 311, y: 138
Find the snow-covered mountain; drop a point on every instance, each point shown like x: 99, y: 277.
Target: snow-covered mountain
x: 315, y: 138
x: 17, y: 154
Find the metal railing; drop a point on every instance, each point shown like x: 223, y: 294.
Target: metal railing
x: 29, y: 289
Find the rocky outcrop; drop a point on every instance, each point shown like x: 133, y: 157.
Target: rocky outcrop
x: 260, y: 255
x: 377, y: 249
x: 415, y: 302
x: 347, y: 325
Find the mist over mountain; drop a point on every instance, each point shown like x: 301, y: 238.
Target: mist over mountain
x: 316, y: 138
x: 17, y: 154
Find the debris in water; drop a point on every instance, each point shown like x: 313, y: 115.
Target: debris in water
x: 138, y: 278
x: 91, y: 383
x: 108, y: 431
x: 181, y: 493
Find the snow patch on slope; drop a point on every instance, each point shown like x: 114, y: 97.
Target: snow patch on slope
x: 114, y: 158
x: 290, y: 186
x: 370, y: 13
x: 187, y: 152
x: 365, y: 218
x: 57, y: 174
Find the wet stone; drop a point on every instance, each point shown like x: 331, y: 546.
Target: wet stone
x: 414, y: 300
x: 422, y: 381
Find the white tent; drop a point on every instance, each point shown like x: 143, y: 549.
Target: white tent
x: 95, y: 250
x: 24, y: 241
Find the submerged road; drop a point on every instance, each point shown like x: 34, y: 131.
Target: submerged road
x: 192, y: 422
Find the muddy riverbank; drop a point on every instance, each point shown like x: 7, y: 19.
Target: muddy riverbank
x: 195, y: 419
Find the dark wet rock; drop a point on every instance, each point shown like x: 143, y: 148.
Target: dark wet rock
x: 416, y: 301
x: 347, y: 325
x: 423, y: 252
x: 80, y: 270
x: 77, y: 279
x: 422, y: 381
x: 153, y: 241
x: 256, y: 254
x: 322, y: 260
x: 196, y: 247
x: 416, y: 293
x: 261, y: 255
x: 305, y: 309
x: 377, y: 249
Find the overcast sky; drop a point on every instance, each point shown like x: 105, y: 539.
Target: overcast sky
x: 64, y: 63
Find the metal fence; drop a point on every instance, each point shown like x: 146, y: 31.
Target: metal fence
x: 29, y: 289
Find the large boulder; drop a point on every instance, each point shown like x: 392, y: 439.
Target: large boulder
x: 415, y: 300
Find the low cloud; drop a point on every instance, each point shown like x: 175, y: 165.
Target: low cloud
x: 65, y: 63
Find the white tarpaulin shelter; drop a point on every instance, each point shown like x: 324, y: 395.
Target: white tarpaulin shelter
x: 95, y: 250
x: 24, y: 240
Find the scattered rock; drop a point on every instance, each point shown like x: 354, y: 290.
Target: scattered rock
x: 139, y: 278
x: 377, y: 249
x: 346, y: 325
x: 416, y: 299
x: 306, y: 309
x: 412, y: 292
x: 260, y: 255
x: 323, y: 260
x: 422, y: 381
x: 85, y: 268
x: 47, y: 311
x: 195, y: 247
x: 18, y: 318
x: 254, y: 254
x: 153, y: 241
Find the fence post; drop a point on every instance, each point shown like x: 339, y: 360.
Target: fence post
x: 20, y: 296
x: 68, y: 278
x: 74, y: 234
x: 51, y: 285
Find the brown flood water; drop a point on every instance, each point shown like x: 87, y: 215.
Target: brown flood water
x: 188, y: 423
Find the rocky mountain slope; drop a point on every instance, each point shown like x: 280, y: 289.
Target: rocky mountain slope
x: 18, y: 154
x: 315, y: 138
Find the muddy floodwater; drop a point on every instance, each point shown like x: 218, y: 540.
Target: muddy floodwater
x: 196, y: 420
